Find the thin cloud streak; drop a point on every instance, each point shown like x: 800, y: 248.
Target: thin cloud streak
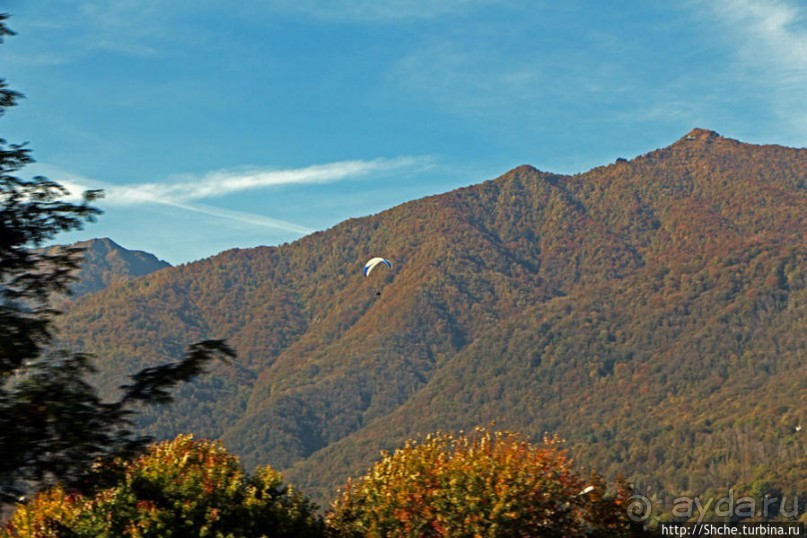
x: 141, y: 28
x: 374, y: 12
x: 223, y: 183
x: 245, y: 218
x: 189, y: 189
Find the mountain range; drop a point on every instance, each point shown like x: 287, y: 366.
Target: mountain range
x: 652, y: 312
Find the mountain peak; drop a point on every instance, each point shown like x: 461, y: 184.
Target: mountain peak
x: 102, y: 244
x: 701, y: 134
x: 526, y: 168
x: 105, y: 263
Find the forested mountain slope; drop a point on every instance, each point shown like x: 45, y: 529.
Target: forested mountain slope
x: 653, y: 312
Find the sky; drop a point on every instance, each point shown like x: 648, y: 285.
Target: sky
x: 213, y: 125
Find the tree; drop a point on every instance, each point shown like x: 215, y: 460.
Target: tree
x: 53, y: 425
x: 182, y: 487
x: 485, y: 484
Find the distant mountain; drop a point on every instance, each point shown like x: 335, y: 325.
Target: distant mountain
x: 653, y: 312
x: 106, y: 263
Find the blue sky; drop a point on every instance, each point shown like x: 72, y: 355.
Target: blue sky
x: 216, y: 124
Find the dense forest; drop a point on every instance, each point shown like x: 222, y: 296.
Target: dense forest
x: 652, y: 312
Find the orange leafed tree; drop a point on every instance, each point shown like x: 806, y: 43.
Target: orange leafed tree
x: 183, y: 487
x: 488, y: 483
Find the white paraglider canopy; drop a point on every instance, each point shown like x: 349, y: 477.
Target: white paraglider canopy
x: 370, y: 265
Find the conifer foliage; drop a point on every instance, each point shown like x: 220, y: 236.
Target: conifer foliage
x: 53, y: 424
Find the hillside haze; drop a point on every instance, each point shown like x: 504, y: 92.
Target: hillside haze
x: 652, y: 312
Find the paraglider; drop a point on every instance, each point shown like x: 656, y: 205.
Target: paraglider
x: 369, y: 266
x: 372, y: 264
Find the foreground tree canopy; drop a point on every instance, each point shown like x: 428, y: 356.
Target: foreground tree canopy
x: 491, y: 484
x: 53, y: 425
x: 182, y: 488
x: 484, y: 484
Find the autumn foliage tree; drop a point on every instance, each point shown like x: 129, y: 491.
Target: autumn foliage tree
x: 488, y: 483
x: 184, y: 487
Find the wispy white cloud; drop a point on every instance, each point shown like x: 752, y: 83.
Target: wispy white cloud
x: 128, y: 27
x: 373, y: 11
x: 123, y: 26
x: 703, y: 62
x: 495, y: 80
x: 145, y: 28
x: 186, y: 191
x: 776, y: 25
x: 770, y: 40
x: 224, y: 182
